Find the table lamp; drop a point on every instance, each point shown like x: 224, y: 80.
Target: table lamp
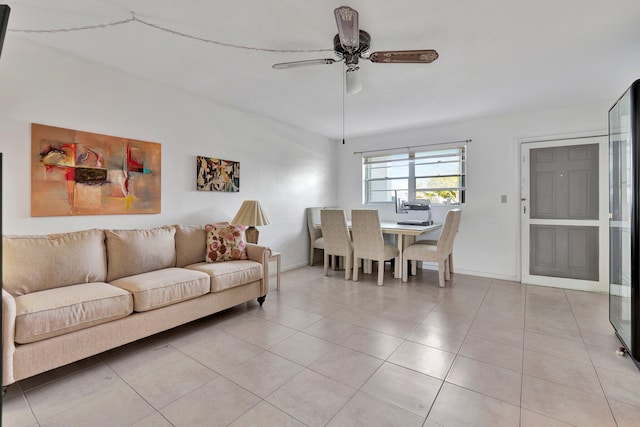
x: 251, y: 215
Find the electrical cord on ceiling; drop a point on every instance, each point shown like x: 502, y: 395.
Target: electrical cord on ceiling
x: 134, y: 18
x: 85, y: 28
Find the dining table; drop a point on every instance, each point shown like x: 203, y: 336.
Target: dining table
x: 405, y: 235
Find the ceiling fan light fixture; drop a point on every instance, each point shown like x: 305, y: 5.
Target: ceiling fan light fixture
x: 353, y: 82
x: 348, y: 31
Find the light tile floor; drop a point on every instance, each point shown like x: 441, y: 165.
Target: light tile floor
x: 325, y: 351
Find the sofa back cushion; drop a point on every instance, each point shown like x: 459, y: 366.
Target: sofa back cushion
x: 131, y: 252
x: 36, y: 263
x: 191, y: 244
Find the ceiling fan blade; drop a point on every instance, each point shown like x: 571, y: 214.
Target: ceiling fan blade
x: 404, y: 56
x: 348, y: 31
x: 295, y: 64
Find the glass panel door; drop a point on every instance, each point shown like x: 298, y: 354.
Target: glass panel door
x: 620, y: 208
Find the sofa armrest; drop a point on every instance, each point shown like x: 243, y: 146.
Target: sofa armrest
x: 8, y: 337
x: 260, y: 254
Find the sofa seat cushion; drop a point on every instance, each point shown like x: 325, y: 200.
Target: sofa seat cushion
x: 164, y: 287
x: 58, y: 311
x: 225, y: 275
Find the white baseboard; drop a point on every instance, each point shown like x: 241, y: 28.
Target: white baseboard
x: 511, y: 278
x: 284, y: 268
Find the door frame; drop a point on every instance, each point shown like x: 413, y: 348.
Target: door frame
x: 526, y: 144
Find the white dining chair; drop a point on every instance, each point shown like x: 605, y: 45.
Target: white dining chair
x: 368, y: 243
x: 337, y: 241
x: 316, y: 242
x: 438, y: 253
x: 434, y: 243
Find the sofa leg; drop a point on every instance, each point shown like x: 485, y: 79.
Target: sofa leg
x: 261, y: 300
x: 4, y: 390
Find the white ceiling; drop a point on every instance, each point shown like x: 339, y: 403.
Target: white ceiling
x: 496, y: 56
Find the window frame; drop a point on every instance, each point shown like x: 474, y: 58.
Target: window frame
x: 411, y: 187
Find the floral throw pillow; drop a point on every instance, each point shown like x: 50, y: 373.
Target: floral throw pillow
x: 225, y: 242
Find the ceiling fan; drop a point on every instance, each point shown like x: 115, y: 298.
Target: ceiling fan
x: 352, y: 44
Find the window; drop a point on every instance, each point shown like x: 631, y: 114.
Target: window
x: 438, y: 174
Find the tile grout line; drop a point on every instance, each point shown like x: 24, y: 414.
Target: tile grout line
x: 573, y: 314
x: 524, y: 329
x: 155, y: 410
x: 561, y: 358
x: 444, y: 380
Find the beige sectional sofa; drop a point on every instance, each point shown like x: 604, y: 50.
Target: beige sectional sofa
x: 69, y: 296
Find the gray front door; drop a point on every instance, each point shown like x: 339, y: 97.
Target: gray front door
x: 562, y: 212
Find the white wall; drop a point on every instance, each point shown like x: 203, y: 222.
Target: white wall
x: 488, y: 240
x: 286, y: 169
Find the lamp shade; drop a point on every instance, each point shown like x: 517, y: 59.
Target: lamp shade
x: 251, y: 214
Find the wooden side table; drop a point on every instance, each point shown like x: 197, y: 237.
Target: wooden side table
x: 277, y: 257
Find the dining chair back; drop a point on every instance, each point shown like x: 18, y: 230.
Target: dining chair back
x: 441, y: 252
x: 337, y: 241
x: 316, y: 242
x: 368, y: 242
x: 456, y: 226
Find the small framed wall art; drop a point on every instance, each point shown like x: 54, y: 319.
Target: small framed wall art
x: 82, y: 173
x: 217, y: 175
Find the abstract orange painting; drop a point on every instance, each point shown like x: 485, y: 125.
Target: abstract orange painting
x: 82, y: 173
